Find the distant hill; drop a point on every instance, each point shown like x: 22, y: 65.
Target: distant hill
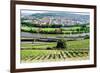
x: 68, y: 15
x: 72, y: 16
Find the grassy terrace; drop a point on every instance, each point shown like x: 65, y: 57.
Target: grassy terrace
x: 70, y: 44
x: 61, y: 30
x: 38, y: 46
x: 36, y: 28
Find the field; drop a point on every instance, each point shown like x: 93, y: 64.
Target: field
x: 70, y: 44
x: 53, y: 55
x: 76, y: 50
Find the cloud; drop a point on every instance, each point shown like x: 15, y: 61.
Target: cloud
x: 32, y: 11
x: 28, y: 12
x: 82, y: 13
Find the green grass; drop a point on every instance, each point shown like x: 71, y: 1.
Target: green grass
x: 70, y: 28
x: 78, y: 44
x: 36, y: 28
x: 26, y: 28
x: 38, y: 46
x: 38, y: 52
x: 66, y: 30
x: 33, y: 52
x: 49, y: 29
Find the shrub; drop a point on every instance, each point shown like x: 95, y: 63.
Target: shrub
x: 61, y: 44
x: 48, y: 48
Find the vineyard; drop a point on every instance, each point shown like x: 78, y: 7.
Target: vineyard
x: 53, y: 55
x: 53, y: 39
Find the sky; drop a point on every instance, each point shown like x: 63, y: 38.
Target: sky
x: 28, y: 12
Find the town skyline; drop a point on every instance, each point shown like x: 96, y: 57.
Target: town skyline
x: 55, y: 17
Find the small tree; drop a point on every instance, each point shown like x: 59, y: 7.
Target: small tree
x: 61, y: 44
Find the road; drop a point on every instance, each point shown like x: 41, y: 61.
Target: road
x: 30, y: 35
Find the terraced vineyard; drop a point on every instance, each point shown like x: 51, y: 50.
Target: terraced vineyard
x: 53, y: 55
